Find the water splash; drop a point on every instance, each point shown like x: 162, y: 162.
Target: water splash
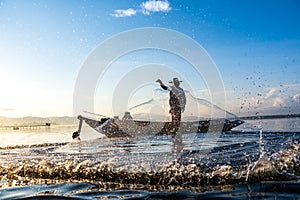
x: 261, y: 145
x: 150, y: 161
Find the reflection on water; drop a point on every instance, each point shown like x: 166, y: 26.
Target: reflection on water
x: 43, y: 135
x: 271, y: 190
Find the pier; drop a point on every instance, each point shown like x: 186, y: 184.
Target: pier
x: 26, y: 126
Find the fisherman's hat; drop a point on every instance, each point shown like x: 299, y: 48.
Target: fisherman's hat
x: 175, y: 80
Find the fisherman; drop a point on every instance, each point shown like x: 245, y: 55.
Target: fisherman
x: 177, y: 101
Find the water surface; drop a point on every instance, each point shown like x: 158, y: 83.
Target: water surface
x: 258, y: 159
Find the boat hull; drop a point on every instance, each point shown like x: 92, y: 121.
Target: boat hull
x: 130, y: 128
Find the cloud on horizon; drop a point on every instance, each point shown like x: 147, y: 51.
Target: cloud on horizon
x: 281, y: 100
x: 270, y: 93
x: 146, y: 8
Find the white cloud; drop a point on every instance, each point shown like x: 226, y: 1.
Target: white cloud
x: 270, y: 93
x: 145, y: 8
x: 296, y: 97
x: 278, y: 102
x: 124, y: 13
x: 155, y: 6
x: 283, y: 99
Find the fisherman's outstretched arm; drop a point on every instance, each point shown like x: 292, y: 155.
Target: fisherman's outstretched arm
x: 162, y: 85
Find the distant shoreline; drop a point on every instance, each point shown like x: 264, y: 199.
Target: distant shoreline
x: 70, y: 120
x: 270, y: 117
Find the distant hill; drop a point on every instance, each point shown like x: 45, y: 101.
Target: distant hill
x: 66, y: 120
x: 269, y: 117
x: 6, y: 121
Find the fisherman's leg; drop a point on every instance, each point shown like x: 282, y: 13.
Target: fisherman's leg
x: 176, y: 118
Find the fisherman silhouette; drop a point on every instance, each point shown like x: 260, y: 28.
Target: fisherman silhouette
x: 177, y: 102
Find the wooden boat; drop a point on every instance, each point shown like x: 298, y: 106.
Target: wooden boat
x: 114, y: 127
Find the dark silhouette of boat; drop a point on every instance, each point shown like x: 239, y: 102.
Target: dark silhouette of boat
x: 128, y: 127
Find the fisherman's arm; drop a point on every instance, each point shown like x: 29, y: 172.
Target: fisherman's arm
x: 162, y: 85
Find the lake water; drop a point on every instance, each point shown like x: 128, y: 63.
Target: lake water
x: 259, y: 159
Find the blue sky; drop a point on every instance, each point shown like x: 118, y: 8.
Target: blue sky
x: 43, y: 44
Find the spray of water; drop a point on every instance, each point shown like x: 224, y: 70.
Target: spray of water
x: 261, y: 144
